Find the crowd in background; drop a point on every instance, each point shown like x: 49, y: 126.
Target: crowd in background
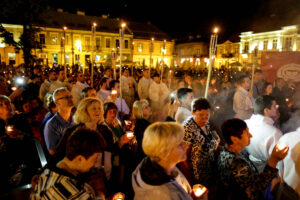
x: 148, y: 136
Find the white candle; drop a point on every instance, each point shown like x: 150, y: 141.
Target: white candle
x: 114, y: 92
x: 129, y: 134
x: 280, y: 146
x: 9, y: 128
x: 199, y: 190
x: 119, y: 196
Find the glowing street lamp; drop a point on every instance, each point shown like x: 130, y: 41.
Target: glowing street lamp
x: 123, y: 25
x: 63, y: 41
x: 93, y: 49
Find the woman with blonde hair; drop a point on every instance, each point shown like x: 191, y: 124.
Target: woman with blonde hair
x: 89, y: 114
x: 142, y: 112
x: 157, y: 176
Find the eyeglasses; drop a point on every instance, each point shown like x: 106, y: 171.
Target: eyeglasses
x: 65, y: 97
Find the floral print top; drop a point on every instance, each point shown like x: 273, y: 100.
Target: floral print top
x: 203, y: 147
x: 241, y: 177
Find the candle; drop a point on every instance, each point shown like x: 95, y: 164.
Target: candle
x: 277, y: 106
x: 217, y: 107
x: 119, y: 196
x: 9, y: 128
x: 199, y: 190
x: 114, y: 92
x: 129, y: 134
x: 280, y: 146
x: 13, y: 88
x: 287, y: 99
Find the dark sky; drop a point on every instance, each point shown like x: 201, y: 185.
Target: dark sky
x: 186, y: 16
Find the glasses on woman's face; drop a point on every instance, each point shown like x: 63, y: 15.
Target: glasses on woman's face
x: 65, y: 97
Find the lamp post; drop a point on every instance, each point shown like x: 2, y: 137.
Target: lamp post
x: 151, y: 51
x: 64, y: 49
x: 123, y: 25
x: 163, y: 60
x: 212, y: 53
x: 93, y: 49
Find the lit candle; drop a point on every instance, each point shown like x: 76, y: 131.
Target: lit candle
x: 199, y: 190
x: 119, y: 196
x: 13, y: 88
x: 114, y: 92
x: 280, y: 146
x: 287, y: 99
x: 129, y: 134
x: 9, y: 128
x: 217, y: 107
x: 277, y: 106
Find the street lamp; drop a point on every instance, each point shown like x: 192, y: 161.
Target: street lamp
x: 64, y: 49
x: 123, y: 25
x: 93, y: 49
x: 212, y: 53
x: 151, y: 51
x: 163, y: 60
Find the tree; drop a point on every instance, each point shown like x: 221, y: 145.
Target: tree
x: 26, y: 13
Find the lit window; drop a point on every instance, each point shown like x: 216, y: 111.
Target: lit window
x: 274, y: 44
x: 265, y: 44
x: 140, y: 47
x: 288, y: 44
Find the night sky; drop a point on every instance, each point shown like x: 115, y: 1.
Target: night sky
x: 193, y: 17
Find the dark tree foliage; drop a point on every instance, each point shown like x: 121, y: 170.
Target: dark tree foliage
x: 25, y: 13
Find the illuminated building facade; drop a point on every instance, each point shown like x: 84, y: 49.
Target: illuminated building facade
x: 79, y: 43
x: 151, y: 44
x: 285, y: 39
x: 227, y: 54
x: 191, y: 54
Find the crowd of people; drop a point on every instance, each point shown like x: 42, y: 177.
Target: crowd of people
x: 147, y: 136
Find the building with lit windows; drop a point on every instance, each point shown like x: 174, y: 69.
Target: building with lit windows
x: 285, y: 39
x: 191, y: 53
x: 151, y: 46
x: 228, y: 54
x: 74, y: 39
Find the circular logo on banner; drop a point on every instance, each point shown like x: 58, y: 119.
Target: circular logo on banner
x: 289, y: 72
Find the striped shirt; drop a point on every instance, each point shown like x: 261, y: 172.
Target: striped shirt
x: 57, y: 184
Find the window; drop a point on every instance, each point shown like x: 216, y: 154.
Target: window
x: 182, y: 52
x: 54, y: 58
x: 97, y: 43
x: 107, y: 43
x: 198, y: 51
x: 54, y: 39
x: 87, y: 42
x: 42, y: 38
x: 246, y: 47
x: 67, y: 40
x: 126, y: 44
x: 288, y: 43
x: 77, y: 58
x: 265, y: 44
x: 190, y: 51
x: 274, y: 44
x: 140, y: 47
x: 117, y: 43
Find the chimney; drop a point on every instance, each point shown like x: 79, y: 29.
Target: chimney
x: 80, y: 13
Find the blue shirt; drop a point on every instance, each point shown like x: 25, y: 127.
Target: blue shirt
x: 54, y: 130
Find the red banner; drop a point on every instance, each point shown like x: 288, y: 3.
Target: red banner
x: 284, y: 65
